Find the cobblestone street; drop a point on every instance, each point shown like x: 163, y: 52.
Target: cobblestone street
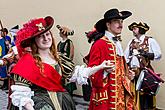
x: 3, y: 99
x: 81, y: 104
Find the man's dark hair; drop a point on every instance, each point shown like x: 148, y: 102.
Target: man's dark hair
x: 4, y: 30
x: 95, y: 36
x: 142, y: 31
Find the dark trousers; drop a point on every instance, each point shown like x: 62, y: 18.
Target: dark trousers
x: 146, y: 102
x: 87, y: 89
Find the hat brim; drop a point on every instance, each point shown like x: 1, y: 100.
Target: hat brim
x: 101, y: 24
x: 49, y: 23
x: 122, y: 15
x: 125, y: 14
x: 134, y: 24
x: 130, y: 27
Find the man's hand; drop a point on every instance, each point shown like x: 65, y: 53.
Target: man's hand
x: 150, y: 56
x: 107, y: 65
x: 131, y: 74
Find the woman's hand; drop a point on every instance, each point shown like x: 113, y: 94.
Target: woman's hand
x: 29, y: 106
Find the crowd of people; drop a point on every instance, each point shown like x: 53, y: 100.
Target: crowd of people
x: 8, y: 49
x: 41, y: 75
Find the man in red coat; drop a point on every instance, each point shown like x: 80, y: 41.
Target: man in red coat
x: 110, y: 87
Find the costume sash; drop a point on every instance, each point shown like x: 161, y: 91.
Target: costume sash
x: 50, y: 79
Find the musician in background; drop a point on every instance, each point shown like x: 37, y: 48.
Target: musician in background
x: 66, y: 47
x: 141, y: 50
x: 3, y: 51
x: 8, y: 60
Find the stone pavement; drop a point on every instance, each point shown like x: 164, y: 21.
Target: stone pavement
x: 3, y: 99
x: 80, y: 103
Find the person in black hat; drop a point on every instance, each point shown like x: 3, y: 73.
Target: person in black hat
x: 110, y: 87
x: 141, y: 50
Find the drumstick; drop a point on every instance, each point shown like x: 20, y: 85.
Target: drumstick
x: 2, y: 28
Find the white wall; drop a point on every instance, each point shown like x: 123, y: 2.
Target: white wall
x: 81, y: 15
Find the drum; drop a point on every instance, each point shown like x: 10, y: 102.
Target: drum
x: 148, y: 82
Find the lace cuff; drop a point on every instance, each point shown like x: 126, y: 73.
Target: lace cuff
x: 81, y: 74
x: 21, y: 96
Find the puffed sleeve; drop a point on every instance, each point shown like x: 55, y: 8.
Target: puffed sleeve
x: 154, y: 48
x: 21, y: 92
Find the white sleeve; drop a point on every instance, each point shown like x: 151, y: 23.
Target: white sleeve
x: 79, y: 75
x: 15, y: 50
x: 126, y: 52
x: 82, y: 73
x: 154, y: 48
x: 21, y: 95
x: 8, y: 55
